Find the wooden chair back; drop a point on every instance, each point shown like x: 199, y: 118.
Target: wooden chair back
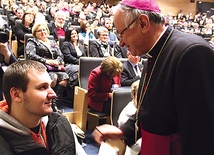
x: 80, y: 107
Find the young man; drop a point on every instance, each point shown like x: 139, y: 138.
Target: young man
x: 28, y: 124
x: 112, y: 38
x: 175, y: 99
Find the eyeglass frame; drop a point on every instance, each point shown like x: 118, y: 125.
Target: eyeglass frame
x: 41, y: 30
x: 123, y: 31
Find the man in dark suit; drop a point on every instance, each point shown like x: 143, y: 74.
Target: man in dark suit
x: 131, y: 70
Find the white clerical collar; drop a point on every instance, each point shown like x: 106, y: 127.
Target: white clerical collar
x: 157, y: 41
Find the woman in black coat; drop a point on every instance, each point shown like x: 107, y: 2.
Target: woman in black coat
x: 72, y: 49
x: 23, y: 27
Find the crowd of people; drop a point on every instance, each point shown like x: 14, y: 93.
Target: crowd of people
x: 199, y: 24
x: 62, y: 14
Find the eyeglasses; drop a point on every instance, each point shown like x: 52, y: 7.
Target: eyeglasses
x: 104, y: 34
x: 61, y: 19
x: 42, y: 30
x: 120, y: 34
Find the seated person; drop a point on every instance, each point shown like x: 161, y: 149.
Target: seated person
x: 211, y: 42
x: 58, y: 27
x: 112, y: 36
x: 126, y: 113
x: 101, y: 47
x: 12, y: 20
x: 25, y: 26
x: 72, y: 49
x: 86, y: 32
x: 50, y: 14
x: 28, y: 124
x: 6, y: 58
x: 100, y: 82
x: 131, y: 70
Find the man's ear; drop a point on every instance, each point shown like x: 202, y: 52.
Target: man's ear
x: 142, y: 24
x: 16, y: 94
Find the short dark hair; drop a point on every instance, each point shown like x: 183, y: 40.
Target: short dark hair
x: 16, y: 75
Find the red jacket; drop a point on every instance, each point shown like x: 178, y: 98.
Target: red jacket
x: 99, y: 87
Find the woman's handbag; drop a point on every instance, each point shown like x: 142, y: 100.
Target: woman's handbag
x: 59, y: 68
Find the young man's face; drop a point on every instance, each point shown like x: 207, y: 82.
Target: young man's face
x: 19, y: 14
x: 108, y: 24
x: 38, y: 97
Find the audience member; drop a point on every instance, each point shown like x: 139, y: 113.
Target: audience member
x: 23, y: 5
x: 30, y: 4
x: 12, y: 19
x: 85, y: 32
x: 21, y: 28
x: 50, y: 14
x: 44, y: 50
x: 211, y: 42
x: 101, y: 47
x: 77, y: 16
x: 172, y: 103
x: 12, y: 11
x: 66, y: 9
x: 8, y: 4
x: 57, y: 27
x: 131, y: 70
x: 72, y: 49
x: 39, y: 17
x: 7, y: 58
x: 28, y: 123
x: 100, y: 82
x: 94, y: 25
x: 43, y: 8
x: 127, y: 113
x: 111, y: 36
x: 207, y: 31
